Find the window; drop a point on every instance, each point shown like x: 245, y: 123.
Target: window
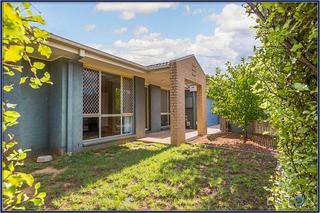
x: 189, y: 102
x: 91, y: 92
x: 108, y: 104
x: 127, y: 124
x: 110, y: 126
x: 146, y: 94
x: 165, y: 108
x: 110, y: 94
x: 90, y: 128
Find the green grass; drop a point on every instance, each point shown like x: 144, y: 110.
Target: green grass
x: 137, y: 176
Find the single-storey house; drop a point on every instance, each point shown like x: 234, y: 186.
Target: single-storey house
x: 97, y: 97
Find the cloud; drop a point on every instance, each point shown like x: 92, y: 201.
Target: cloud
x: 197, y: 11
x: 187, y: 9
x: 232, y: 38
x: 89, y: 27
x: 139, y: 30
x: 232, y: 18
x: 120, y: 30
x: 129, y: 10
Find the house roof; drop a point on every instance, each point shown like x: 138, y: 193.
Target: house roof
x: 159, y: 65
x: 167, y: 63
x: 152, y: 67
x: 85, y: 47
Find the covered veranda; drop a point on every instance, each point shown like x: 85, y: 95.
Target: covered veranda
x: 175, y: 75
x: 165, y: 138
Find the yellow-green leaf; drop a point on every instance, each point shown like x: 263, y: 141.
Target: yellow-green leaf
x: 27, y: 178
x: 23, y: 80
x: 11, y: 73
x: 46, y: 78
x: 11, y: 114
x: 44, y: 50
x: 38, y: 33
x: 38, y: 19
x: 296, y: 47
x: 13, y: 53
x: 8, y: 88
x: 11, y: 167
x: 5, y: 173
x: 18, y: 68
x: 29, y: 49
x: 39, y: 65
x: 26, y: 5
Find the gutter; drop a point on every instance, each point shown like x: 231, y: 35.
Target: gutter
x: 54, y: 38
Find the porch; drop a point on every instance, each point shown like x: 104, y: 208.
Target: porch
x: 165, y: 138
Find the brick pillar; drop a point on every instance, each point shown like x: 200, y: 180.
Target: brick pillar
x: 177, y: 105
x: 201, y: 110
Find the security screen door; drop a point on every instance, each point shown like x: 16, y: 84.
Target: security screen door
x: 108, y: 102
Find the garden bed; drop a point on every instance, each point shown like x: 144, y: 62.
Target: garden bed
x: 233, y: 141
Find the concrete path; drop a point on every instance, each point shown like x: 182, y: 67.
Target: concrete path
x: 164, y: 136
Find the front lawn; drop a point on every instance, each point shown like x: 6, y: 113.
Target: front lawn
x: 148, y: 176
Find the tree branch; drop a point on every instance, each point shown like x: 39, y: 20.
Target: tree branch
x: 287, y: 44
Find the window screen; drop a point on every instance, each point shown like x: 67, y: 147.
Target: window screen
x: 127, y: 95
x: 90, y: 92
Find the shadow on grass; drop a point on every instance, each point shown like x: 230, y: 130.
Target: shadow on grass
x: 216, y: 179
x: 149, y: 176
x: 83, y: 169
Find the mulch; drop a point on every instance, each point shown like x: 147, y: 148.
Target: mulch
x: 233, y: 141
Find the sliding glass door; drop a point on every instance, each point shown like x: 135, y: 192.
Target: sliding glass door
x: 107, y: 105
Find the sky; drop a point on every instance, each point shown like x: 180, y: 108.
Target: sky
x: 149, y: 33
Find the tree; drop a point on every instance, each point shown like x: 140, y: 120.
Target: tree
x: 286, y: 65
x: 20, y: 38
x: 234, y: 99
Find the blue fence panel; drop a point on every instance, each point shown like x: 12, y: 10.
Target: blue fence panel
x: 212, y: 119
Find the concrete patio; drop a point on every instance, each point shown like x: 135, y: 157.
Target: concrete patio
x: 164, y: 136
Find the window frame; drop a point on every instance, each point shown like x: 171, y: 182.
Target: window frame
x: 147, y: 104
x: 168, y: 108
x: 100, y: 115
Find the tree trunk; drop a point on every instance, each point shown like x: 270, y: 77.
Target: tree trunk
x: 245, y: 136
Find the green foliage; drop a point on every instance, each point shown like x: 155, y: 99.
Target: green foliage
x: 20, y: 37
x: 13, y: 181
x: 286, y: 65
x: 234, y: 99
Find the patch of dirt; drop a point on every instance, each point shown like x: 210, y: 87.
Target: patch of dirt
x: 232, y: 141
x: 49, y: 170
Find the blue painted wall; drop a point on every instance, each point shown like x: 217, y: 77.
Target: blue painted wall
x: 57, y: 106
x: 51, y: 117
x: 212, y: 119
x: 32, y: 130
x: 75, y: 108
